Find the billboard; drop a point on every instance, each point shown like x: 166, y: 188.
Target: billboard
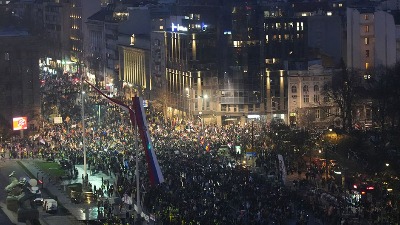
x: 58, y: 119
x: 20, y: 123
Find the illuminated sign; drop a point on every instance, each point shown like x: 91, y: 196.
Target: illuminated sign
x: 58, y: 119
x: 145, y: 103
x: 178, y: 27
x: 20, y: 123
x: 253, y: 116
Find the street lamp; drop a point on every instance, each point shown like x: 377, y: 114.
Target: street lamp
x: 201, y: 120
x: 83, y: 128
x: 205, y: 97
x: 188, y: 102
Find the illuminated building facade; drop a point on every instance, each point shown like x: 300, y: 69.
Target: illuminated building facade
x: 134, y: 67
x: 212, y: 62
x: 307, y: 105
x: 276, y: 98
x: 241, y: 74
x: 371, y: 38
x: 190, y: 71
x: 285, y: 38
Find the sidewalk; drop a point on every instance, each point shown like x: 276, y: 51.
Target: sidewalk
x: 82, y: 211
x: 79, y: 212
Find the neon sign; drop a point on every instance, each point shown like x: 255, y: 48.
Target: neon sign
x: 178, y: 27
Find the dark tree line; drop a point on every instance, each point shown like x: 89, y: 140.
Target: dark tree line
x: 352, y: 88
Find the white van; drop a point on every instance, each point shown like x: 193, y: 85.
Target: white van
x: 38, y: 195
x: 50, y: 205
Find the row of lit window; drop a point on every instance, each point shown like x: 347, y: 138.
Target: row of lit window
x: 328, y: 113
x: 240, y: 107
x: 338, y: 5
x: 193, y: 16
x: 304, y: 14
x: 75, y: 16
x: 306, y: 98
x: 272, y: 14
x: 316, y: 98
x: 75, y: 27
x: 366, y: 16
x: 237, y: 44
x: 121, y: 14
x: 76, y: 49
x: 74, y: 38
x: 305, y: 88
x: 285, y: 26
x: 285, y: 37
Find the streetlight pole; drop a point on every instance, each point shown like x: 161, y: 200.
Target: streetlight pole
x: 188, y: 102
x: 83, y: 128
x: 252, y: 134
x: 205, y: 97
x: 202, y: 121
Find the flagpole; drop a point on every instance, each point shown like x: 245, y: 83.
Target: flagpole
x: 83, y: 129
x: 138, y: 205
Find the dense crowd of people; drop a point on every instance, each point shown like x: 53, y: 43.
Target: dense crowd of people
x: 202, y: 185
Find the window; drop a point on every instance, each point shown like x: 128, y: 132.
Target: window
x: 6, y: 56
x: 305, y: 88
x: 223, y: 107
x: 366, y: 66
x: 317, y: 114
x: 366, y: 17
x: 241, y: 108
x: 251, y: 108
x: 294, y: 89
x: 366, y: 41
x: 306, y: 98
x: 316, y: 98
x: 316, y: 88
x: 367, y: 53
x: 328, y: 113
x: 326, y: 99
x: 338, y: 111
x: 366, y: 28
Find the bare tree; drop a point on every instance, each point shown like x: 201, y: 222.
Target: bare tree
x: 344, y: 90
x: 384, y: 89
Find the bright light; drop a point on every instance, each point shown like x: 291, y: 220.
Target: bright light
x: 253, y: 116
x: 205, y: 96
x: 387, y: 164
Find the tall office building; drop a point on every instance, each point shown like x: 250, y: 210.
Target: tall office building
x: 212, y: 61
